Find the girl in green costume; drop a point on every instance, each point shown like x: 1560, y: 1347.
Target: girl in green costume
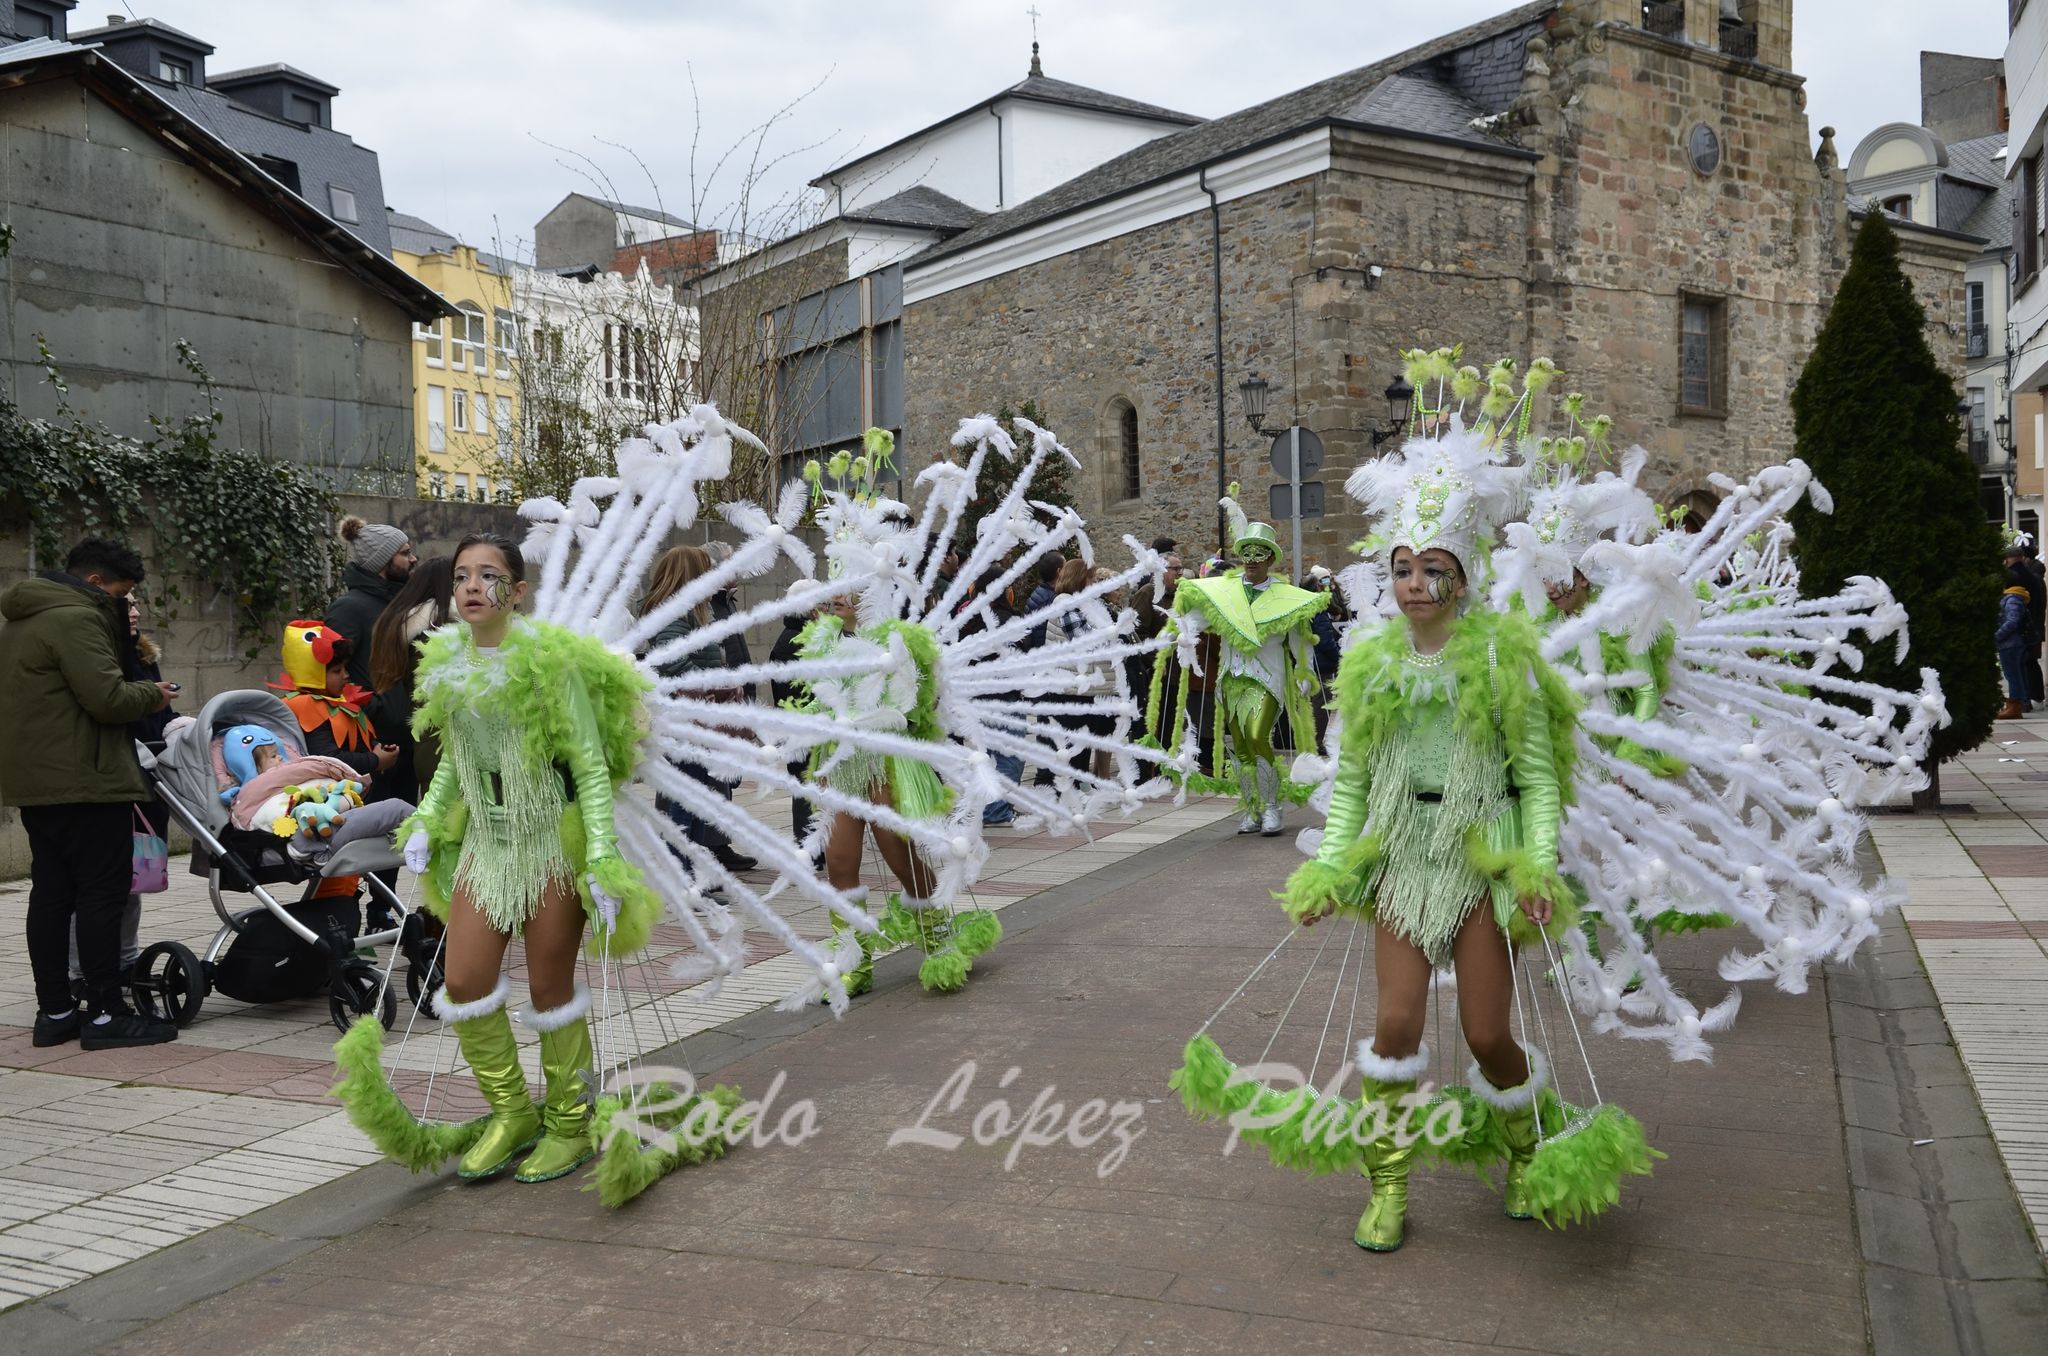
x: 515, y: 835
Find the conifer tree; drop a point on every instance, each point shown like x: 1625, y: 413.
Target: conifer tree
x: 1875, y: 417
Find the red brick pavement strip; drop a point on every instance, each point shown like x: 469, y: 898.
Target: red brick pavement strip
x: 2014, y: 859
x: 1744, y: 1241
x: 1933, y: 929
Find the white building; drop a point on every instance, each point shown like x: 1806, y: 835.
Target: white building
x: 604, y: 352
x: 1955, y: 188
x: 2026, y: 79
x: 840, y: 352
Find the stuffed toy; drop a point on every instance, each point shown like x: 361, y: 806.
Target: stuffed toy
x: 318, y: 808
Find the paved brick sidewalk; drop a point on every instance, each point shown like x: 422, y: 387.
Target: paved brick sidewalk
x: 109, y: 1156
x: 1743, y: 1242
x: 1979, y: 918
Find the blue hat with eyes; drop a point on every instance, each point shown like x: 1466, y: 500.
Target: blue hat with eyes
x: 238, y: 751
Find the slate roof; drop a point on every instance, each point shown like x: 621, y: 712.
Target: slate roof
x: 917, y: 206
x: 417, y: 235
x: 650, y: 213
x: 1047, y: 90
x: 1436, y: 89
x: 324, y: 156
x: 1040, y: 89
x: 272, y: 68
x: 152, y: 105
x: 102, y: 33
x: 1978, y: 160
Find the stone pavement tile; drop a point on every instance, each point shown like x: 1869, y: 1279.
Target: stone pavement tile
x: 1011, y: 1318
x: 135, y: 1064
x: 235, y: 1071
x: 630, y: 1329
x: 1911, y: 1311
x: 1026, y: 1268
x: 1992, y: 1243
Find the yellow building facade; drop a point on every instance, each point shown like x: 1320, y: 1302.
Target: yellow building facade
x: 464, y: 382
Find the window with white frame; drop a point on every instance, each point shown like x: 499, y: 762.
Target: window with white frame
x: 482, y: 405
x: 483, y: 489
x: 466, y: 341
x: 174, y: 70
x: 437, y: 484
x: 505, y: 326
x: 430, y: 335
x: 461, y: 410
x: 504, y: 404
x: 461, y: 488
x: 437, y: 419
x: 341, y: 203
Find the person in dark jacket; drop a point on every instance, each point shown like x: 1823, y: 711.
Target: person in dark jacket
x: 379, y: 560
x: 68, y: 764
x: 140, y: 663
x: 2011, y: 640
x: 2037, y: 620
x: 424, y: 602
x: 1048, y: 576
x: 676, y: 569
x: 784, y: 651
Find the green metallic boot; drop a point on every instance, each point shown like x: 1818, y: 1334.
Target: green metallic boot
x: 485, y: 1034
x: 863, y: 977
x: 1388, y: 1155
x: 564, y: 1058
x: 1517, y: 1109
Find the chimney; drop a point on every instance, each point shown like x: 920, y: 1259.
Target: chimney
x: 116, y: 20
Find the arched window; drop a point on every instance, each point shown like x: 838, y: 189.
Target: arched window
x: 1697, y: 508
x: 1130, y: 479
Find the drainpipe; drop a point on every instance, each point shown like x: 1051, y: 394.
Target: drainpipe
x: 1216, y: 287
x: 995, y: 113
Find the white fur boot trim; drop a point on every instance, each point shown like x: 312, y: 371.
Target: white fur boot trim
x: 1516, y: 1098
x: 448, y: 1010
x: 1404, y: 1070
x: 554, y: 1019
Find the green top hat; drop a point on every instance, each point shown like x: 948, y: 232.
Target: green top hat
x: 1258, y: 534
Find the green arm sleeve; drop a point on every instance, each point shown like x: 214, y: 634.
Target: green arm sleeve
x: 1535, y: 770
x: 1648, y: 696
x: 585, y: 756
x: 1347, y: 810
x: 92, y: 670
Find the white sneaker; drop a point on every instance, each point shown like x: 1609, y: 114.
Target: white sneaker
x: 1269, y: 822
x: 1249, y: 823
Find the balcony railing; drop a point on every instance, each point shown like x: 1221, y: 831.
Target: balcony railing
x: 1980, y: 450
x: 1665, y: 17
x: 1738, y: 39
x: 1980, y: 341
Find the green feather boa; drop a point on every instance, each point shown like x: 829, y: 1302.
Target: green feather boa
x: 1299, y: 1128
x: 951, y: 944
x: 373, y: 1107
x: 626, y: 1167
x: 1575, y: 1176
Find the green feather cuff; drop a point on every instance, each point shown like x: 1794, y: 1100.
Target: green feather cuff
x: 1317, y: 885
x: 374, y: 1108
x: 1575, y: 1176
x: 626, y: 1167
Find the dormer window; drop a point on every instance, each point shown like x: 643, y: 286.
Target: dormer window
x: 341, y: 203
x: 306, y: 111
x: 173, y: 70
x: 1900, y: 206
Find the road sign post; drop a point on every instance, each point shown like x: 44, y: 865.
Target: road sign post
x: 1297, y: 452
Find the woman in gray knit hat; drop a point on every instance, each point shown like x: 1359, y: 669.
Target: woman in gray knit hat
x: 379, y: 559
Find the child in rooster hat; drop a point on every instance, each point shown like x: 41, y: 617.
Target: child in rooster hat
x: 329, y: 707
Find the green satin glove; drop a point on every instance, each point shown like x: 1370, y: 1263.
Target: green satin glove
x: 1535, y: 772
x: 585, y: 756
x: 1346, y: 819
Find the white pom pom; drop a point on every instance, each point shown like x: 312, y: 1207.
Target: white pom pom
x: 1930, y: 702
x: 1752, y: 876
x: 1610, y: 998
x: 1689, y: 1026
x: 1830, y: 809
x: 830, y: 971
x: 960, y: 847
x: 1656, y: 869
x: 1859, y: 909
x: 1749, y: 753
x: 1904, y: 763
x: 773, y: 532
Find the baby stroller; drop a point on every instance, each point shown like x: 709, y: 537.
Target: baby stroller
x: 273, y: 951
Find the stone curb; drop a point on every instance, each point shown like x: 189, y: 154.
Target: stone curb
x: 117, y: 1303
x: 1950, y: 1265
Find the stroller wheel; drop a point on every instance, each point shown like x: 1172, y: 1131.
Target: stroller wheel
x: 421, y: 982
x: 352, y: 992
x: 169, y: 981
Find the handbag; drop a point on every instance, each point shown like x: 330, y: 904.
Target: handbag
x: 151, y: 872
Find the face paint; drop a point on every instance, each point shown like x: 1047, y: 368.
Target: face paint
x: 1443, y: 586
x: 498, y: 588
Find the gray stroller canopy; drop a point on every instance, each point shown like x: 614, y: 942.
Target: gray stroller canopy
x: 186, y: 765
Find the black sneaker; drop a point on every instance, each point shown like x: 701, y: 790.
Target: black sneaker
x: 124, y: 1029
x: 56, y: 1030
x: 736, y: 862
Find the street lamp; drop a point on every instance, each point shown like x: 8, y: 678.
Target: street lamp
x: 2002, y: 427
x: 1254, y: 389
x: 1399, y: 396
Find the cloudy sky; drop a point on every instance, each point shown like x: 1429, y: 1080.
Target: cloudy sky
x: 485, y: 112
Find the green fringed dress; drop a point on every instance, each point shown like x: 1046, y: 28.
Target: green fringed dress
x: 914, y: 788
x: 519, y: 726
x: 1460, y: 764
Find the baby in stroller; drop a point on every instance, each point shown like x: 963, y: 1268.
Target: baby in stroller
x: 314, y: 802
